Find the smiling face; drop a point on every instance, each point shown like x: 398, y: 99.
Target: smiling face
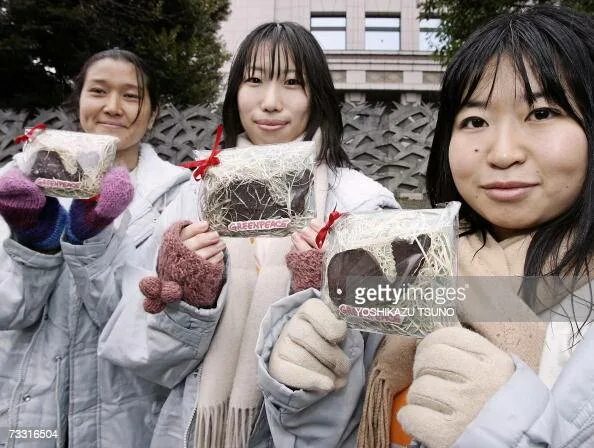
x: 517, y: 165
x: 272, y: 110
x: 110, y: 102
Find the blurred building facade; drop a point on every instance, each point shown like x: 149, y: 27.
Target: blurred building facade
x: 377, y: 50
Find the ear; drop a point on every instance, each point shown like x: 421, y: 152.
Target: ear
x: 153, y: 118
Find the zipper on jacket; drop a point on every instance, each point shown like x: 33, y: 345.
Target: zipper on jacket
x: 187, y: 431
x: 58, y: 360
x: 21, y: 378
x: 195, y: 411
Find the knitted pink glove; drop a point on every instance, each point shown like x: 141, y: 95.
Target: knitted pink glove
x: 306, y: 269
x: 181, y: 275
x: 88, y: 217
x: 36, y: 221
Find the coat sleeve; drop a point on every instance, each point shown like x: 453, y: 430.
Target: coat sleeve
x: 27, y: 279
x: 97, y: 266
x: 300, y: 418
x: 524, y: 413
x: 164, y: 347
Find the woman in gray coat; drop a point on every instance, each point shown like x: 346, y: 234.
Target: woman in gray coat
x: 61, y: 274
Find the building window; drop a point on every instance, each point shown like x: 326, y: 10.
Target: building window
x: 428, y: 40
x: 330, y: 31
x: 382, y: 33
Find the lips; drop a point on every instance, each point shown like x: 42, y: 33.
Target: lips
x: 271, y: 125
x: 508, y: 190
x: 268, y: 122
x: 111, y: 124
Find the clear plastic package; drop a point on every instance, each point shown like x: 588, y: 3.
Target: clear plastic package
x: 260, y: 190
x: 393, y: 271
x: 65, y: 163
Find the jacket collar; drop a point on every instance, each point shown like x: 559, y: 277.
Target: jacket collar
x: 154, y: 178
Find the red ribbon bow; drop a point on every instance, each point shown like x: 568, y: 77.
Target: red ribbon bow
x: 203, y: 165
x: 321, y: 236
x: 28, y: 135
x: 212, y: 160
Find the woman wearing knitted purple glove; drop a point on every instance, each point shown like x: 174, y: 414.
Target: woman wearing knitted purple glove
x: 88, y: 217
x: 35, y: 221
x: 61, y: 273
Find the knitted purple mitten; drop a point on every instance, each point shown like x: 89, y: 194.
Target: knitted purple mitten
x: 306, y: 269
x: 36, y: 221
x: 88, y: 217
x: 181, y: 275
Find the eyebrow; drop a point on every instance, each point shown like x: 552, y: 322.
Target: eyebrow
x: 483, y: 104
x: 104, y: 81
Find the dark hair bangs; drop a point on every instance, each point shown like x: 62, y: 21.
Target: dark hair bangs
x: 522, y: 41
x: 282, y: 48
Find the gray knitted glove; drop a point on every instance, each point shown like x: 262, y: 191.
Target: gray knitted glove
x: 306, y: 354
x: 456, y: 371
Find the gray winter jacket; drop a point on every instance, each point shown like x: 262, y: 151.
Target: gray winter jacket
x: 53, y: 310
x: 525, y: 413
x: 167, y: 348
x: 305, y: 419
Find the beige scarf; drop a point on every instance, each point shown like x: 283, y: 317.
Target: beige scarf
x: 229, y: 399
x: 519, y: 331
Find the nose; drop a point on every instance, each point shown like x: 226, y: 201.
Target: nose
x: 271, y: 101
x: 506, y: 146
x: 112, y: 104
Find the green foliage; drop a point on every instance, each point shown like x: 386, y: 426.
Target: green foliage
x: 459, y: 18
x: 43, y: 44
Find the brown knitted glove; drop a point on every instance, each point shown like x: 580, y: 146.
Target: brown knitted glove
x: 306, y: 269
x: 182, y: 275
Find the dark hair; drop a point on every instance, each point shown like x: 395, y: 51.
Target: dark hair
x: 557, y: 45
x: 144, y: 78
x: 289, y: 41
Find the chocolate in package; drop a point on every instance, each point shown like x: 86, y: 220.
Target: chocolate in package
x: 65, y: 163
x: 260, y: 190
x: 393, y: 271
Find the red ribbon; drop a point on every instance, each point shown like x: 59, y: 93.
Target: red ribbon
x: 321, y: 236
x: 92, y: 200
x: 202, y: 165
x: 28, y: 136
